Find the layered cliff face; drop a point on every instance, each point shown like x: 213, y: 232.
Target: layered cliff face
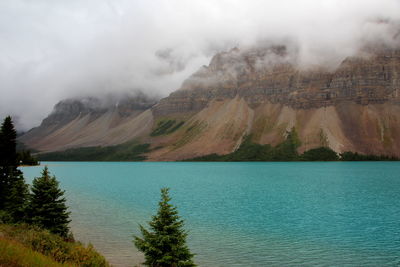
x: 92, y: 122
x: 261, y: 92
x: 354, y: 107
x: 271, y: 76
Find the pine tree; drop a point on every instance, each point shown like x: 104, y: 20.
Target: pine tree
x: 47, y: 208
x: 8, y: 143
x: 16, y: 198
x: 165, y: 244
x: 13, y: 190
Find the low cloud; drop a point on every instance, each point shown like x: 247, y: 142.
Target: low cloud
x: 51, y: 50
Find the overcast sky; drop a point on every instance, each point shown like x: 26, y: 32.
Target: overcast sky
x: 51, y: 50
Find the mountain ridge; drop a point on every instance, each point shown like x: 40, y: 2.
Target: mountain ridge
x: 257, y: 92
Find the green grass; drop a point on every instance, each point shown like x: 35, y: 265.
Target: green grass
x: 131, y: 151
x: 37, y: 241
x: 13, y: 254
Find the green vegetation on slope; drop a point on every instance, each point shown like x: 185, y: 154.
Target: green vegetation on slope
x: 24, y: 243
x: 14, y: 254
x: 249, y: 151
x: 320, y: 154
x: 286, y: 151
x: 166, y: 127
x: 130, y: 151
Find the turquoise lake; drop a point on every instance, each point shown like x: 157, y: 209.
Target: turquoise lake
x: 242, y: 214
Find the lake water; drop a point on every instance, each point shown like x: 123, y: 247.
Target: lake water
x: 242, y: 214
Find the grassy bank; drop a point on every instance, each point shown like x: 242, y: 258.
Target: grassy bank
x: 13, y: 254
x: 23, y: 245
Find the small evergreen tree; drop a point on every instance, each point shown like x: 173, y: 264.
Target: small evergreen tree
x: 47, y: 208
x: 165, y: 244
x: 16, y: 198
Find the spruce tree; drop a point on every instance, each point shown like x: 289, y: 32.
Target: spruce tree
x: 16, y: 198
x: 8, y: 143
x: 164, y: 245
x: 13, y: 190
x: 47, y: 208
x: 8, y: 137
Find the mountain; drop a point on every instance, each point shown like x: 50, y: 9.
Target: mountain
x: 92, y: 122
x: 258, y: 92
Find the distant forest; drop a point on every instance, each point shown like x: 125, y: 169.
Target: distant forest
x: 130, y: 151
x: 248, y: 151
x: 287, y: 151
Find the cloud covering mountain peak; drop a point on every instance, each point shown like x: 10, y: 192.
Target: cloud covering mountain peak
x: 52, y: 50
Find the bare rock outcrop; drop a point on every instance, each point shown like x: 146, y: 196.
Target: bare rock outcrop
x: 271, y: 77
x: 88, y: 121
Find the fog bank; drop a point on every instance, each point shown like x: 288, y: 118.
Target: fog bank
x: 51, y: 50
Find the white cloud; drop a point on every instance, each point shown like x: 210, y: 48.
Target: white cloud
x: 51, y: 50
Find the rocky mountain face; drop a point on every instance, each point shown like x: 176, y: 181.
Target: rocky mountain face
x: 88, y: 122
x: 261, y: 92
x: 264, y: 93
x: 269, y: 76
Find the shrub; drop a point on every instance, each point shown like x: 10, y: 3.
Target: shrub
x: 53, y: 246
x: 15, y: 254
